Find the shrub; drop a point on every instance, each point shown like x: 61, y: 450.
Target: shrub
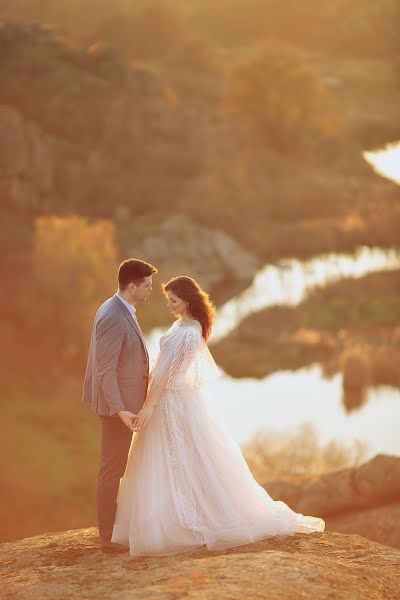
x: 298, y: 456
x: 282, y: 98
x: 75, y: 266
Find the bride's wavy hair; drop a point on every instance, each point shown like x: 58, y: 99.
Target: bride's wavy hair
x: 200, y: 306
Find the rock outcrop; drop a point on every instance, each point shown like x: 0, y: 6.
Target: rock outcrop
x: 83, y: 130
x: 363, y: 500
x: 380, y: 524
x: 317, y: 566
x: 180, y: 246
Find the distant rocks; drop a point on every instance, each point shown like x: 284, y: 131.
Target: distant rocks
x: 354, y: 499
x: 84, y: 138
x: 182, y: 247
x: 26, y: 161
x: 12, y: 32
x: 380, y: 524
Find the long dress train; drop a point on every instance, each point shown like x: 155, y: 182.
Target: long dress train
x: 186, y: 482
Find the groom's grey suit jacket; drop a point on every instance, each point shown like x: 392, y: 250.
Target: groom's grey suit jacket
x: 118, y: 365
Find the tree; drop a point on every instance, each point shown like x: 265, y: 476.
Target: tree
x: 282, y: 97
x: 75, y: 265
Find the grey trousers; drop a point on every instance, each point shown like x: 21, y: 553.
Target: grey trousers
x: 115, y: 443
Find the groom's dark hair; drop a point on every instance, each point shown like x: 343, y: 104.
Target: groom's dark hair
x: 133, y: 270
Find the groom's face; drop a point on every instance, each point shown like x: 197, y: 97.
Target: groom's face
x: 141, y: 291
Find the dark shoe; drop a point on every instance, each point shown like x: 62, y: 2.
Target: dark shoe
x: 112, y: 547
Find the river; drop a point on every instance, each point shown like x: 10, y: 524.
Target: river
x: 285, y: 400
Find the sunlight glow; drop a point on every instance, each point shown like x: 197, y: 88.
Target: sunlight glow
x: 386, y: 161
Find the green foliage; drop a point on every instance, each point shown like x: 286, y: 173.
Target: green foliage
x: 354, y: 304
x: 282, y: 97
x: 338, y: 313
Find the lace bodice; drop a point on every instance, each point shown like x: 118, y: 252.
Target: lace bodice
x: 184, y: 360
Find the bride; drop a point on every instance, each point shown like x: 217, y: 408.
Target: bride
x: 186, y: 482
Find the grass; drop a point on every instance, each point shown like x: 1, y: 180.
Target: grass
x: 53, y: 442
x: 339, y: 313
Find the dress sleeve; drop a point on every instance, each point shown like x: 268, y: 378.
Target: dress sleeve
x: 174, y: 367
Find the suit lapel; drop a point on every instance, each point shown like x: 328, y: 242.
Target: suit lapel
x: 132, y: 321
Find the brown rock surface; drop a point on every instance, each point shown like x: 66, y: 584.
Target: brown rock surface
x: 364, y: 500
x: 321, y: 566
x: 375, y: 483
x: 208, y: 254
x: 380, y: 524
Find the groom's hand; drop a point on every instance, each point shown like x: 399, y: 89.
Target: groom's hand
x: 128, y: 419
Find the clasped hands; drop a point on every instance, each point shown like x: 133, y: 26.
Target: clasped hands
x: 136, y: 422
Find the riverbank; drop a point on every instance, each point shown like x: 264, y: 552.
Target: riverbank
x: 351, y: 326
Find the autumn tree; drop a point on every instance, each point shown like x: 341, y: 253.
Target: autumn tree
x: 75, y: 266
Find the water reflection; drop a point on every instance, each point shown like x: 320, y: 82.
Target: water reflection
x: 285, y: 400
x: 291, y: 280
x: 386, y: 161
x: 354, y: 397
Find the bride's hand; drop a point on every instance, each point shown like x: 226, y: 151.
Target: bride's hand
x: 144, y: 415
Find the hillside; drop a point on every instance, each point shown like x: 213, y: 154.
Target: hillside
x: 86, y: 130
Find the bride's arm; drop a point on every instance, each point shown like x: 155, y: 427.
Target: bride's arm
x: 169, y: 370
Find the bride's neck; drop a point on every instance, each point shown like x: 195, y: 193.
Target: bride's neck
x: 187, y: 319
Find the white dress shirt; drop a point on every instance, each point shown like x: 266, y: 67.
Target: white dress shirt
x: 131, y: 308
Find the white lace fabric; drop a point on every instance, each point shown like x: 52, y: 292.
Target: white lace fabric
x: 186, y: 482
x: 184, y: 361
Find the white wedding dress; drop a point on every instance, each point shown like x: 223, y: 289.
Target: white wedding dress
x: 186, y: 483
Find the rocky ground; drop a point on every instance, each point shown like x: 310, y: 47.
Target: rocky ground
x: 321, y: 566
x: 379, y: 523
x: 364, y: 500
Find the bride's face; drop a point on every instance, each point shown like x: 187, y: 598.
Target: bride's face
x: 176, y: 304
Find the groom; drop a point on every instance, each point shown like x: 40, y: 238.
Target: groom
x: 116, y: 384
